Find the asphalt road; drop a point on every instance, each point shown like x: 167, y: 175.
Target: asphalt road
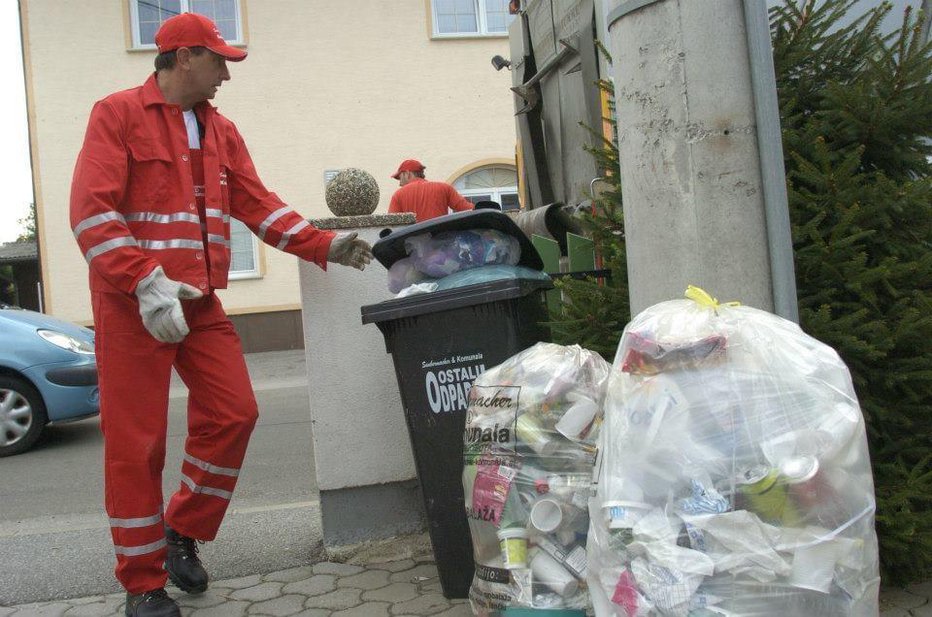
x: 54, y: 536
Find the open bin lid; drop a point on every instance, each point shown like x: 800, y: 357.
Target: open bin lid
x: 391, y: 248
x: 450, y: 299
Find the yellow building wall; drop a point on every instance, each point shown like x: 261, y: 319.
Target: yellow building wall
x: 327, y: 85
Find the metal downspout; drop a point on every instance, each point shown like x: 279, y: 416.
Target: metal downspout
x: 770, y: 152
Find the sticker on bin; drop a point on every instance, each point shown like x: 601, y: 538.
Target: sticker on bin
x: 448, y: 379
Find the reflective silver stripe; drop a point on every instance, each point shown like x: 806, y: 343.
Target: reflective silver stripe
x: 287, y: 235
x: 216, y: 213
x: 206, y: 490
x: 218, y: 239
x: 133, y: 551
x: 97, y: 219
x: 108, y: 245
x: 271, y: 219
x: 132, y: 523
x: 155, y: 217
x: 214, y: 469
x: 177, y: 243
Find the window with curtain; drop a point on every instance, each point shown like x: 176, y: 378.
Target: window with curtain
x: 147, y: 15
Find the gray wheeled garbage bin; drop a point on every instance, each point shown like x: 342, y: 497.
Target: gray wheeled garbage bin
x: 440, y: 342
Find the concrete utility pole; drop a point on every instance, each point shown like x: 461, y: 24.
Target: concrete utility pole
x: 701, y: 156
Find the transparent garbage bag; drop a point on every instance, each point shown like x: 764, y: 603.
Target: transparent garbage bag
x: 441, y: 254
x: 734, y: 477
x: 473, y: 276
x: 487, y: 274
x: 457, y: 258
x: 529, y: 449
x: 403, y: 274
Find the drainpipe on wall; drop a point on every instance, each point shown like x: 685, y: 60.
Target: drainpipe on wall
x: 770, y: 149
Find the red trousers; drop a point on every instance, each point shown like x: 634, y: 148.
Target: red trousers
x: 134, y: 375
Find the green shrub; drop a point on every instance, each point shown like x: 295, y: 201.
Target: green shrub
x: 856, y: 114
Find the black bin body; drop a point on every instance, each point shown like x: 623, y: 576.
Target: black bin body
x: 440, y: 342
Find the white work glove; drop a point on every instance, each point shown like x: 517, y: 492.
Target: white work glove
x: 160, y: 306
x: 348, y: 250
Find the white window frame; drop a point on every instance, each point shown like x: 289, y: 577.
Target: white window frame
x: 235, y: 275
x: 185, y: 6
x: 482, y: 24
x: 494, y: 193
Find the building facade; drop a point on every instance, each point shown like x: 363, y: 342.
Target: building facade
x: 327, y: 85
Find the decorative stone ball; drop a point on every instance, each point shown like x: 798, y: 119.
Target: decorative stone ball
x: 352, y: 192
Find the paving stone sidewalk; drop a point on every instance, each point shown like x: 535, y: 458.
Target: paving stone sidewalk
x: 403, y: 588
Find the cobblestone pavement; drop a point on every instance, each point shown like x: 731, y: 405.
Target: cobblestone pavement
x: 403, y: 588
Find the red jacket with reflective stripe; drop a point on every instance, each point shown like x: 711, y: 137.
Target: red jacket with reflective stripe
x: 132, y: 196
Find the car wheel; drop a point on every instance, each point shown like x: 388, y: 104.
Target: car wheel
x: 22, y: 415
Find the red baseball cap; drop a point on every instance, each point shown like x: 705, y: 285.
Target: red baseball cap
x: 408, y: 165
x: 194, y: 30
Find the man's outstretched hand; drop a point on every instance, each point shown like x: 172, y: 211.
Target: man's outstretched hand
x: 348, y: 250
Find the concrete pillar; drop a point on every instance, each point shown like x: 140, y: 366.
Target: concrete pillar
x: 362, y: 453
x: 690, y: 171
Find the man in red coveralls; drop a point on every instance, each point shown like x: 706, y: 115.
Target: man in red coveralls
x: 425, y: 198
x: 158, y: 178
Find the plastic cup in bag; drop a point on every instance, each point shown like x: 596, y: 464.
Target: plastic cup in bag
x: 547, y: 514
x: 513, y: 541
x: 549, y: 572
x: 814, y: 566
x: 577, y: 419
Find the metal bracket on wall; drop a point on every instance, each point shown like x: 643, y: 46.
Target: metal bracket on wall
x: 528, y: 91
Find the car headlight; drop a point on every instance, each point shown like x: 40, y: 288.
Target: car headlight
x: 66, y: 341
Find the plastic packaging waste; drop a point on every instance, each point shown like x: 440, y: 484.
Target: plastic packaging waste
x: 441, y: 254
x: 529, y: 447
x: 453, y: 259
x: 735, y: 477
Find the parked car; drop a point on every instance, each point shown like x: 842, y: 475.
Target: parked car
x: 48, y: 374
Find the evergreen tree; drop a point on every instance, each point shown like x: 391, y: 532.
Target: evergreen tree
x: 594, y: 313
x: 856, y: 114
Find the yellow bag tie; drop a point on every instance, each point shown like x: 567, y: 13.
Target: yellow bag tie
x: 702, y: 297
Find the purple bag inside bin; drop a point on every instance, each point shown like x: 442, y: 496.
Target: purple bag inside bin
x: 445, y: 253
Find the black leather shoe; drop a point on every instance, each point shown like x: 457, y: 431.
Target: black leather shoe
x: 182, y: 564
x: 154, y: 603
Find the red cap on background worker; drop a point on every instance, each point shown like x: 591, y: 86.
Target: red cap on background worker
x: 408, y: 165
